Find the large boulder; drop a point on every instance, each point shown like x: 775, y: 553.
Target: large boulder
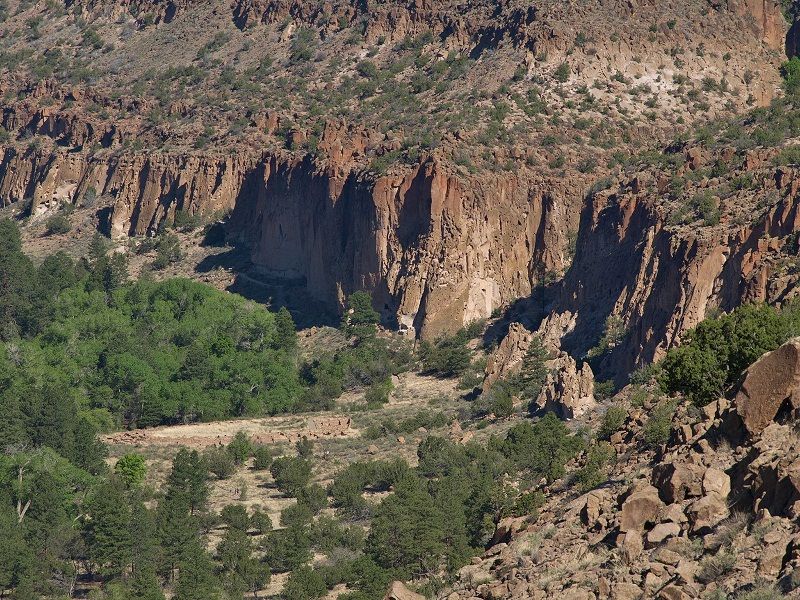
x: 398, y: 591
x: 638, y: 509
x: 772, y: 382
x: 706, y: 512
x: 677, y: 481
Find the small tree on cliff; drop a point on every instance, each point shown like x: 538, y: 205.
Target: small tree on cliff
x: 360, y: 318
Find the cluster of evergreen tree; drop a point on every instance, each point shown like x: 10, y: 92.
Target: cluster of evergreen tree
x: 86, y: 348
x: 62, y: 524
x: 714, y: 354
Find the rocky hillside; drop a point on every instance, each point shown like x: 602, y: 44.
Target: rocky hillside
x: 449, y: 159
x: 701, y: 504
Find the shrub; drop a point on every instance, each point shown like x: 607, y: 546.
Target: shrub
x: 604, y: 389
x: 291, y: 474
x: 715, y: 568
x: 260, y: 521
x: 314, y: 497
x: 262, y: 458
x: 235, y: 517
x: 302, y: 46
x: 659, y: 425
x: 542, y: 448
x: 58, y: 224
x: 612, y: 421
x: 304, y: 583
x: 378, y: 393
x: 594, y: 472
x: 220, y: 462
x: 186, y: 222
x: 296, y: 515
x: 502, y: 404
x: 448, y: 356
x: 588, y: 165
x: 131, y: 468
x: 168, y: 250
x: 788, y: 156
x: 715, y: 353
x: 791, y: 74
x: 562, y: 72
x: 240, y: 447
x: 527, y: 504
x: 761, y: 593
x: 305, y: 447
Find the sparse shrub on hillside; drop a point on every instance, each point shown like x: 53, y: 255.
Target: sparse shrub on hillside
x: 614, y: 333
x: 527, y: 504
x: 304, y: 447
x: 716, y: 568
x: 657, y: 430
x: 168, y: 251
x: 262, y: 458
x: 762, y: 592
x: 595, y: 470
x: 562, y: 72
x: 303, y: 45
x: 612, y: 421
x: 788, y: 156
x: 58, y: 224
x: 500, y: 401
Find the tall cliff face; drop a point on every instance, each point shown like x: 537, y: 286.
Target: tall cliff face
x: 435, y: 249
x: 141, y: 191
x: 659, y: 279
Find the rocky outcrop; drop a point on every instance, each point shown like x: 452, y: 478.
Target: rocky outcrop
x: 146, y: 11
x: 435, y: 249
x: 398, y: 591
x: 764, y: 16
x: 142, y: 190
x: 772, y: 383
x: 508, y: 357
x: 567, y: 390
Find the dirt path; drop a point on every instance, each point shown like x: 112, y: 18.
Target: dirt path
x: 267, y: 430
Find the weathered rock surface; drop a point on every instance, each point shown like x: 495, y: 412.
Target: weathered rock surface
x: 508, y: 357
x: 568, y: 391
x: 770, y: 383
x: 639, y: 508
x: 398, y: 591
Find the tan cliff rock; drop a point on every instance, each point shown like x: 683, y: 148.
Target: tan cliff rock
x: 568, y: 391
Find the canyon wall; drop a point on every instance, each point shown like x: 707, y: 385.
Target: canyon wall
x: 438, y: 249
x: 659, y: 279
